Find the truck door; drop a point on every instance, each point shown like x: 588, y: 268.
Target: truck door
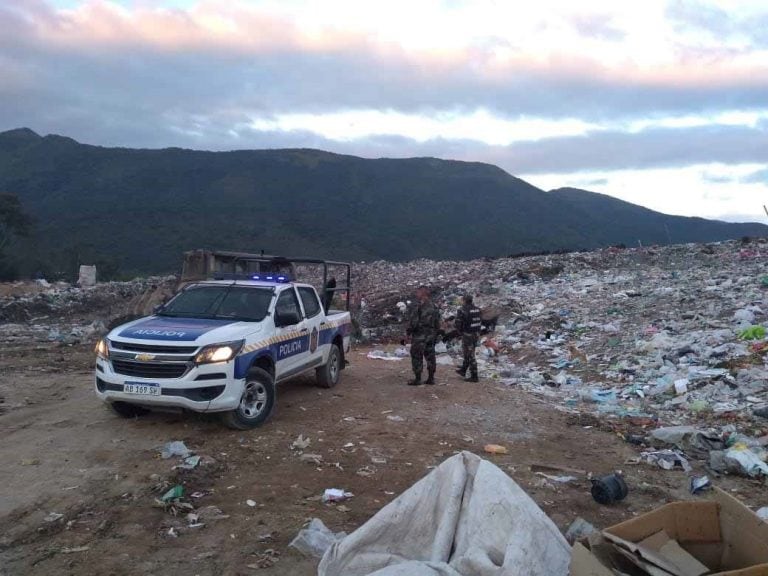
x: 315, y: 320
x: 291, y: 334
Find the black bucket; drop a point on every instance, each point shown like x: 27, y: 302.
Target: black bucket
x: 609, y: 489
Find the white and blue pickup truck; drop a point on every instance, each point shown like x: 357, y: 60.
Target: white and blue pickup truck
x: 222, y: 346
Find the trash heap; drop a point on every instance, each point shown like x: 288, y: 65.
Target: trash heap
x: 624, y: 339
x: 62, y: 312
x: 627, y: 339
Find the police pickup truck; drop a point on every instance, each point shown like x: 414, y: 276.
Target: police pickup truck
x: 222, y: 346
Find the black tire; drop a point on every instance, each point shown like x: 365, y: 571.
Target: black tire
x: 127, y: 410
x: 256, y: 404
x: 329, y: 374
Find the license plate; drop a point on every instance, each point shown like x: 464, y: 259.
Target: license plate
x: 144, y: 388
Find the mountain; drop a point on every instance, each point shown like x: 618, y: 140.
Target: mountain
x: 142, y: 208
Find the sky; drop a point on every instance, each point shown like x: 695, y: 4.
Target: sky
x: 660, y: 103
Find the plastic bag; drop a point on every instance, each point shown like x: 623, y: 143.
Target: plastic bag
x: 315, y: 539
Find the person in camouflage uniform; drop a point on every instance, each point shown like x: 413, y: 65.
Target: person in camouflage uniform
x: 423, y: 324
x: 468, y: 323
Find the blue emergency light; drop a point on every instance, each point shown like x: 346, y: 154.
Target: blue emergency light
x: 280, y: 279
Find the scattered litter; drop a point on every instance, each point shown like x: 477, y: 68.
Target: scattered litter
x: 762, y: 412
x: 336, y: 495
x: 666, y: 459
x: 176, y: 448
x: 53, y: 517
x: 681, y: 386
x: 579, y: 529
x: 763, y: 513
x: 366, y: 471
x: 380, y: 355
x: 190, y: 463
x: 301, y: 443
x: 558, y: 479
x: 700, y: 484
x: 742, y: 460
x: 609, y: 489
x: 210, y: 514
x: 311, y: 458
x: 266, y: 559
x: 250, y: 503
x: 315, y: 539
x: 395, y: 418
x: 173, y: 494
x: 495, y: 449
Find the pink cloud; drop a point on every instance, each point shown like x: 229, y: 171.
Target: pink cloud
x: 231, y: 27
x: 208, y: 25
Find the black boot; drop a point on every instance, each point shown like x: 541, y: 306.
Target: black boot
x: 431, y: 378
x: 473, y: 378
x: 461, y: 371
x: 416, y: 380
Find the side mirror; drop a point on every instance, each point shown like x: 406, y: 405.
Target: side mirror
x: 287, y: 318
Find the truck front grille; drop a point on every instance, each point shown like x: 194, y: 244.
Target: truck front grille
x: 153, y: 348
x: 149, y: 369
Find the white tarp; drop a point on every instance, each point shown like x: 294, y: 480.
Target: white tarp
x: 466, y: 518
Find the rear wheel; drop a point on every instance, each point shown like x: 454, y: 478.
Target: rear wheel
x: 127, y: 410
x: 256, y: 403
x: 330, y: 374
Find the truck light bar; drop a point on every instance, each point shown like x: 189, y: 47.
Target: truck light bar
x: 279, y: 279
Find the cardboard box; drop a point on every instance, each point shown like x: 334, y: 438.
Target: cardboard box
x: 722, y: 534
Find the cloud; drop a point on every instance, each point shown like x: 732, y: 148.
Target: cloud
x: 703, y: 16
x: 759, y: 177
x: 726, y: 27
x: 266, y: 59
x: 597, y: 26
x: 604, y: 86
x: 610, y: 150
x: 675, y: 190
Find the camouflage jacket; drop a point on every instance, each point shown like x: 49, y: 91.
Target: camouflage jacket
x: 423, y: 320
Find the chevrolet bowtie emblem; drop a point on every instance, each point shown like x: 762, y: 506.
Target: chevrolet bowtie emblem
x: 145, y: 357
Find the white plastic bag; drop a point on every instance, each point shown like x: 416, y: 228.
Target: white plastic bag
x: 315, y: 539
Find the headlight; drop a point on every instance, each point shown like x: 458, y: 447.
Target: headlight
x: 102, y: 349
x: 223, y: 352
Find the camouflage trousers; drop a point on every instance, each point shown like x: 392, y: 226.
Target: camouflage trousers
x: 468, y: 345
x: 423, y: 348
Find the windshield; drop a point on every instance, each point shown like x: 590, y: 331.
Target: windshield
x: 225, y: 302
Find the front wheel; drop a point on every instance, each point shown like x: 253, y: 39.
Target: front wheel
x: 256, y: 403
x: 330, y: 374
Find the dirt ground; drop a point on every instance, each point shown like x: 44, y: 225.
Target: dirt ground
x: 64, y: 453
